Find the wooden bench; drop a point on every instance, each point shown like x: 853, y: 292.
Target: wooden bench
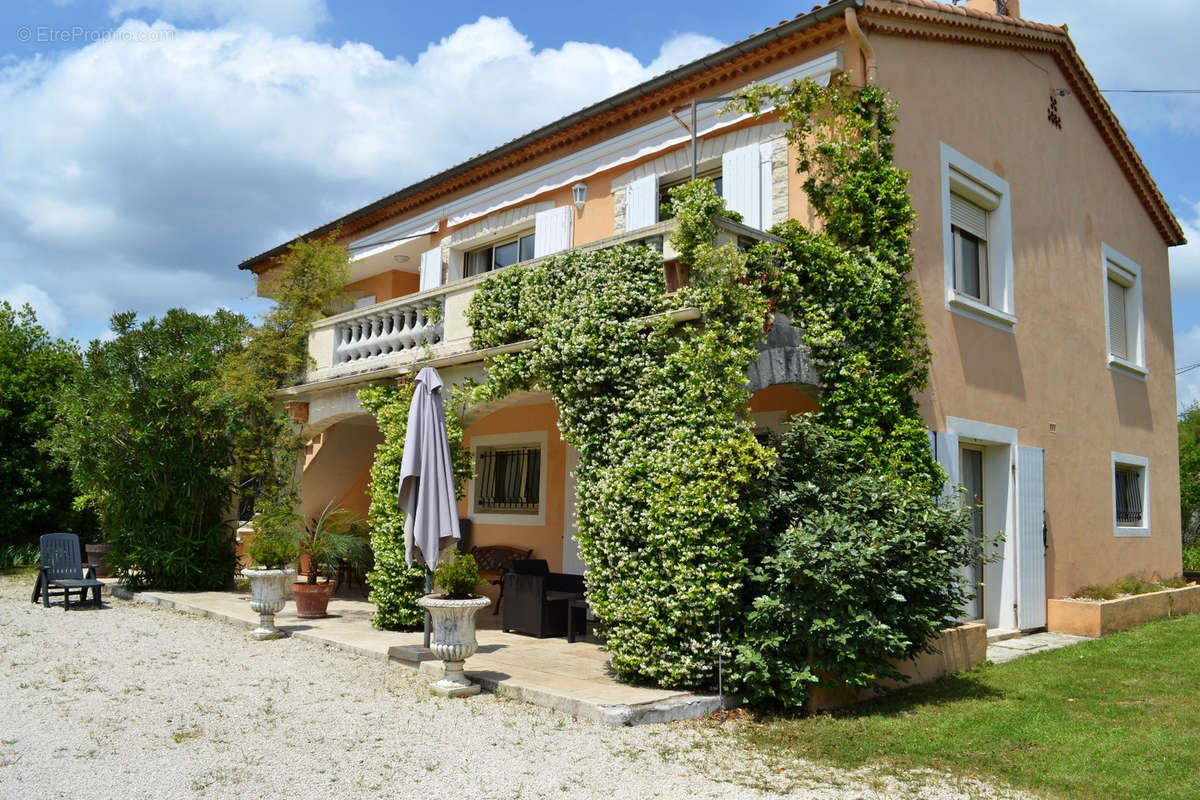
x: 494, y: 561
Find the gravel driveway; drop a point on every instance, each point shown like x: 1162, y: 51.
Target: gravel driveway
x: 137, y: 701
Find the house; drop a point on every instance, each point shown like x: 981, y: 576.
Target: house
x: 1041, y: 261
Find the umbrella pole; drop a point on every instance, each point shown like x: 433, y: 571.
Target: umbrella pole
x: 428, y: 590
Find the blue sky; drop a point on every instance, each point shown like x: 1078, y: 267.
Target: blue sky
x: 150, y: 145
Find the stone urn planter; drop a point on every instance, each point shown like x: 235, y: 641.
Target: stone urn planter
x: 453, y: 640
x: 268, y: 593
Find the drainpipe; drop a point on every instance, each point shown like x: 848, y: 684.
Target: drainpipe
x: 860, y: 37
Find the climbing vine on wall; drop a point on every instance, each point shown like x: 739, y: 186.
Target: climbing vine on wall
x: 657, y: 411
x: 395, y: 586
x: 848, y: 282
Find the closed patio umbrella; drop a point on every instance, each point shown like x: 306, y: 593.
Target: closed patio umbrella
x: 427, y: 479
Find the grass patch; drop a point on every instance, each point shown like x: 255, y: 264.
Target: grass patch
x: 1108, y: 719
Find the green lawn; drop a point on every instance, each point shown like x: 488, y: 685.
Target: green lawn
x: 1107, y: 719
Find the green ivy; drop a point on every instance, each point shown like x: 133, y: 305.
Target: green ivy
x: 396, y: 586
x: 657, y: 411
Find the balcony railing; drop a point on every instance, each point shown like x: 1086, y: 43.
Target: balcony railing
x: 411, y: 326
x: 388, y: 337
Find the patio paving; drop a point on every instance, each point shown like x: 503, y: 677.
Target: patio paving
x: 573, y: 678
x: 1004, y: 650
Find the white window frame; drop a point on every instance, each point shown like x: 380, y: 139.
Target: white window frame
x: 504, y: 440
x: 1129, y: 461
x: 1128, y: 273
x: 971, y: 181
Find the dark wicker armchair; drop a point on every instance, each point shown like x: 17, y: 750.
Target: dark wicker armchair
x: 537, y: 600
x: 494, y: 561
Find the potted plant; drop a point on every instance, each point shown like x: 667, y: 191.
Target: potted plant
x: 320, y: 543
x: 274, y: 555
x: 453, y: 612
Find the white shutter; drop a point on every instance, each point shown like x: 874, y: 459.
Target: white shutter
x: 765, y: 185
x: 1118, y: 326
x: 431, y: 268
x: 742, y: 183
x: 945, y: 450
x: 968, y: 216
x: 641, y: 203
x: 554, y: 231
x: 1031, y: 542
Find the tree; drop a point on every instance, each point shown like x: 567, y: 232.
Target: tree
x: 33, y: 367
x: 143, y: 440
x: 1189, y: 472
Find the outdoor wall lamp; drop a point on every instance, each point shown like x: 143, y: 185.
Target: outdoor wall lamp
x: 579, y: 191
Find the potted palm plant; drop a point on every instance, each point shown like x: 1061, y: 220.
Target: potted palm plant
x: 453, y: 613
x: 334, y: 535
x: 273, y: 554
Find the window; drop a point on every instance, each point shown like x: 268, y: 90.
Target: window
x: 501, y: 254
x: 1123, y: 313
x: 665, y: 209
x: 968, y: 226
x: 508, y: 480
x: 978, y: 241
x: 1131, y: 506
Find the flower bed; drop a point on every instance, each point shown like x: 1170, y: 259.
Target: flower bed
x: 1083, y: 617
x: 958, y: 649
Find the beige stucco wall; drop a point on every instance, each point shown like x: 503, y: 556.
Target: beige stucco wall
x: 1068, y: 196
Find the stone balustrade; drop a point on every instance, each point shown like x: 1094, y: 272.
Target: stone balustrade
x: 391, y: 337
x: 383, y: 331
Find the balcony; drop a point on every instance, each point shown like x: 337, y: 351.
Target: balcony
x: 388, y: 339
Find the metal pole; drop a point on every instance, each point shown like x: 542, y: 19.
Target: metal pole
x: 693, y: 139
x: 428, y: 590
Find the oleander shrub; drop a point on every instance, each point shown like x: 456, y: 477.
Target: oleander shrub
x: 149, y: 450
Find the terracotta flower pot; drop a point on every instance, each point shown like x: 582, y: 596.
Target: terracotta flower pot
x: 312, y: 599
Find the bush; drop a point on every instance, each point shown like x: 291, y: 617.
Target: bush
x: 272, y: 551
x: 855, y: 570
x: 458, y: 577
x: 1191, y: 557
x: 150, y: 449
x: 19, y: 555
x: 1132, y: 585
x: 1095, y: 591
x: 33, y: 367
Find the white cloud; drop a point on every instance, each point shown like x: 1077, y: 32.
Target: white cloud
x: 149, y: 166
x: 1185, y: 259
x: 299, y: 17
x: 49, y: 315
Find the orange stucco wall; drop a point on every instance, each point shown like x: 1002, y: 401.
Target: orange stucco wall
x: 1068, y: 196
x: 545, y: 539
x: 386, y: 285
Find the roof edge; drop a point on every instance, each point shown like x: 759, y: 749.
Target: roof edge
x: 712, y: 60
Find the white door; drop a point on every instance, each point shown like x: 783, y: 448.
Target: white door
x: 971, y: 471
x: 572, y: 563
